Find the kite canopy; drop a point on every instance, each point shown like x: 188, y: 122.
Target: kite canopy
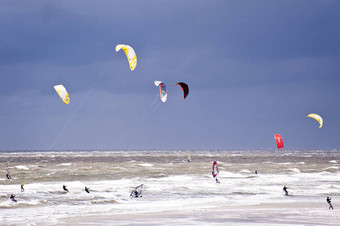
x: 130, y: 54
x: 162, y: 90
x: 279, y: 141
x: 214, y: 169
x: 184, y: 87
x: 317, y: 118
x: 60, y: 89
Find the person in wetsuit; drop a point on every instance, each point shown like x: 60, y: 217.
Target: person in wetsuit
x: 87, y: 189
x: 285, y: 190
x: 13, y: 198
x: 22, y: 187
x: 8, y: 176
x: 328, y: 199
x: 65, y: 188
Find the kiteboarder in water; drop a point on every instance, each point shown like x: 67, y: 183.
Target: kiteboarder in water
x: 65, y: 188
x: 137, y: 192
x: 255, y: 171
x: 87, y: 189
x: 329, y: 203
x: 13, y: 198
x: 215, y: 171
x: 285, y: 190
x: 8, y: 176
x: 22, y: 187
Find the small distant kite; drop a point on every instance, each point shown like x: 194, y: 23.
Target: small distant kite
x: 184, y: 87
x: 60, y: 89
x: 279, y: 141
x: 162, y: 90
x: 130, y: 54
x: 317, y: 118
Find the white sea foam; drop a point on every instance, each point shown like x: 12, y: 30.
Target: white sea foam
x: 176, y: 192
x: 22, y: 167
x: 66, y: 164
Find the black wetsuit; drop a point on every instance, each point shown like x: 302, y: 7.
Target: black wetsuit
x: 285, y: 190
x: 13, y: 198
x: 329, y: 203
x: 22, y: 188
x: 8, y: 176
x: 135, y: 194
x: 65, y: 188
x: 87, y: 189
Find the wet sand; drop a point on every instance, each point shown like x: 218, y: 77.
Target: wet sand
x: 283, y: 213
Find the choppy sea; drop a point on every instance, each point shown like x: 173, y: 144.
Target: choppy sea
x: 176, y: 191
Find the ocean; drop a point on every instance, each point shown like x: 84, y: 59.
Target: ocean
x: 176, y: 192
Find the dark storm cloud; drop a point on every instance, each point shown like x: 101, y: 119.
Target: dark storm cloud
x: 253, y: 67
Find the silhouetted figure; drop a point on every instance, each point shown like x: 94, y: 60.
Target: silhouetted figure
x: 255, y: 171
x: 328, y: 199
x: 8, y: 176
x: 87, y: 189
x: 285, y: 190
x: 217, y: 181
x: 13, y: 198
x: 22, y: 187
x: 65, y: 188
x: 134, y: 193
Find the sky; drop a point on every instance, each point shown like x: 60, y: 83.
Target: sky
x: 254, y: 69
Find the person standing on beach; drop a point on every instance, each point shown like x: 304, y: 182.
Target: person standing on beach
x: 328, y: 199
x: 285, y: 190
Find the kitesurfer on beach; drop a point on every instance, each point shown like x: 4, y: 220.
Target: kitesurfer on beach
x: 13, y: 198
x: 65, y: 188
x: 87, y: 189
x: 328, y: 199
x: 285, y: 190
x: 22, y: 187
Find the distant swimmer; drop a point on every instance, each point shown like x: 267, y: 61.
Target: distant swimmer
x: 65, y: 188
x: 13, y: 198
x: 328, y: 199
x: 87, y: 189
x: 22, y: 187
x: 285, y: 190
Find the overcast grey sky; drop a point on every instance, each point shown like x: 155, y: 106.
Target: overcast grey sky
x: 254, y: 68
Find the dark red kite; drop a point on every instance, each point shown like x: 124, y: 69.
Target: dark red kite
x: 185, y: 88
